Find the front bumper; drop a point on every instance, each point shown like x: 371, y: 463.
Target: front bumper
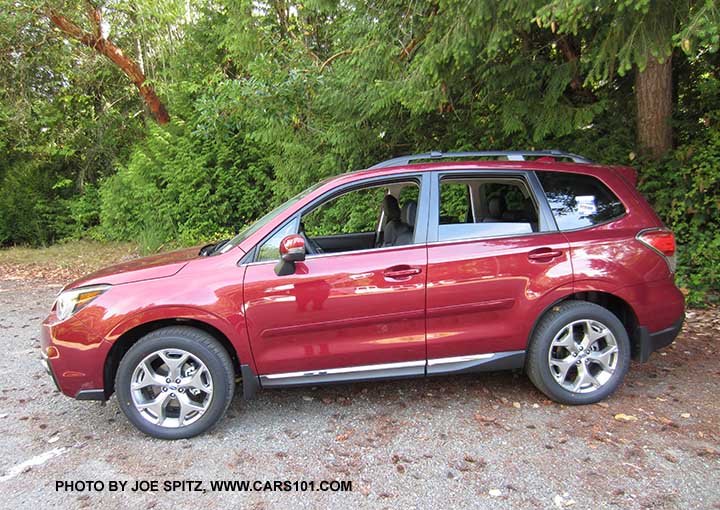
x: 73, y: 357
x: 651, y: 342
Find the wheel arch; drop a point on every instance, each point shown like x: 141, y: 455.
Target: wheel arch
x: 128, y: 337
x: 618, y: 306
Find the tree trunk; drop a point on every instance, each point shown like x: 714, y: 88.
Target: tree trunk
x: 653, y: 95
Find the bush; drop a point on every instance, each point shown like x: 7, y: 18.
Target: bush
x: 181, y: 188
x: 685, y: 192
x: 31, y: 207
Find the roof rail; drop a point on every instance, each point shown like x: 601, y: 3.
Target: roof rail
x: 510, y: 155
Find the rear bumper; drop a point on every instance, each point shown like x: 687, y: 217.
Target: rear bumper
x: 651, y: 342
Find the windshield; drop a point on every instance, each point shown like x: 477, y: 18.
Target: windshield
x: 254, y: 227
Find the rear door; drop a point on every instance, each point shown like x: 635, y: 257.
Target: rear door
x: 495, y: 260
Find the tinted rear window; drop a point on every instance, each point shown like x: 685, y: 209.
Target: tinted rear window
x: 579, y: 200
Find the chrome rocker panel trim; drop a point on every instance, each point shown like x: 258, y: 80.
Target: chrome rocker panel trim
x: 437, y: 366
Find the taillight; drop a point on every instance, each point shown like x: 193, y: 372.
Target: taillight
x: 662, y: 241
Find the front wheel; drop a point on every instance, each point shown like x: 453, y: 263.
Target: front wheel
x: 175, y: 382
x: 579, y: 353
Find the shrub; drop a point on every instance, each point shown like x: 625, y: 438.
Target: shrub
x: 182, y: 187
x: 685, y: 192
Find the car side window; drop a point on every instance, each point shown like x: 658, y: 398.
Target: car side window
x: 377, y: 215
x: 269, y: 249
x: 454, y: 202
x: 579, y: 200
x: 354, y: 212
x: 481, y: 207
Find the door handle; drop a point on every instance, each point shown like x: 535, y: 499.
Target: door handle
x: 401, y: 272
x: 544, y: 254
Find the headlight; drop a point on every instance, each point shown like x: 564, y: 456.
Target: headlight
x: 70, y: 301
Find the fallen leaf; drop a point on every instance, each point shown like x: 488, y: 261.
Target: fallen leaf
x: 484, y: 419
x: 625, y: 417
x: 563, y: 501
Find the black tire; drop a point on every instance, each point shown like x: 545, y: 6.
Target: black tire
x: 538, y: 367
x: 201, y: 345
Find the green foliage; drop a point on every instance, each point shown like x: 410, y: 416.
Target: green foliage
x: 184, y: 187
x: 685, y: 191
x: 27, y: 213
x: 356, y: 211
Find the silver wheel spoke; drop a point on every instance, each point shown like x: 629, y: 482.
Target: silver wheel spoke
x: 604, y: 358
x: 565, y: 339
x: 584, y: 378
x: 196, y: 382
x: 150, y: 377
x: 187, y: 407
x: 174, y: 364
x: 593, y: 332
x: 156, y: 406
x: 562, y: 368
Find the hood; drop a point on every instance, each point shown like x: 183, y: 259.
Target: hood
x: 145, y: 268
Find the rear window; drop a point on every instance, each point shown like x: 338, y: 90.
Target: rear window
x: 578, y: 200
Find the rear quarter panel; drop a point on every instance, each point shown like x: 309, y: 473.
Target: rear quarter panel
x: 609, y: 258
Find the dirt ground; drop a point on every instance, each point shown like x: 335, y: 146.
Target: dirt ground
x: 482, y: 441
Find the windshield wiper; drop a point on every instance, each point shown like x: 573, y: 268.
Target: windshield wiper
x: 211, y: 248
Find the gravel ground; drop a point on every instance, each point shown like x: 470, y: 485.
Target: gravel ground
x: 484, y: 441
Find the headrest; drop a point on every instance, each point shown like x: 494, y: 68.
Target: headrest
x: 497, y: 206
x: 391, y: 208
x: 409, y: 211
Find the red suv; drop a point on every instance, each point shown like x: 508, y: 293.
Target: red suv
x: 419, y: 266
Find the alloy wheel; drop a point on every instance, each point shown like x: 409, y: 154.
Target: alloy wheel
x: 583, y: 356
x: 171, y: 388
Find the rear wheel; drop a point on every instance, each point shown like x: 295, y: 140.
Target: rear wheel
x: 175, y: 382
x: 579, y: 353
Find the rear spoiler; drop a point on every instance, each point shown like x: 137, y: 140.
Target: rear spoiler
x: 627, y: 173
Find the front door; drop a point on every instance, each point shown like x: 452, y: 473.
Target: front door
x: 357, y: 314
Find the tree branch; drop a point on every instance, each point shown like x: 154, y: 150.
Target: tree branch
x: 406, y: 50
x: 330, y: 59
x: 107, y: 48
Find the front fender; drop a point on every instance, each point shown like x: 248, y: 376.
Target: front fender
x: 236, y: 333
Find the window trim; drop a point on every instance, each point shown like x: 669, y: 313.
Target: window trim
x: 424, y: 182
x: 546, y: 222
x: 256, y: 249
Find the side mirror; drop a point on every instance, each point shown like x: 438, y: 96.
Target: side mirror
x: 292, y: 249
